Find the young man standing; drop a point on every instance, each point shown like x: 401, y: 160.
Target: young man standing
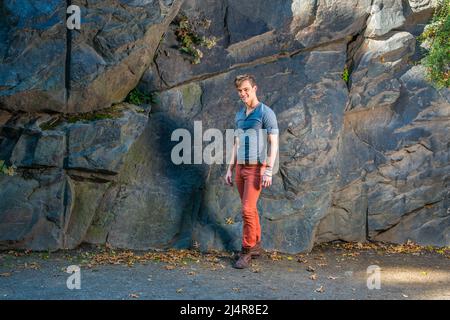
x: 256, y: 125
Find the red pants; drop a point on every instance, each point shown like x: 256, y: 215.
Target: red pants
x: 248, y: 180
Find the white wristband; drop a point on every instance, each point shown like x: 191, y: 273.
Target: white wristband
x: 268, y: 172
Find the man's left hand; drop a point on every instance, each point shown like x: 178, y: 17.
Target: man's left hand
x: 266, y: 181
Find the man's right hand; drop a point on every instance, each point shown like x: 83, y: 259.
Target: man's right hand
x: 229, y: 178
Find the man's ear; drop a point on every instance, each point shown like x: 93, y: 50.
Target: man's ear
x: 256, y: 88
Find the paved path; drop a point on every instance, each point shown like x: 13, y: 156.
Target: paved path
x: 327, y: 272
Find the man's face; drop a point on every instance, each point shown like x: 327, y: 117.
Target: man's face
x: 247, y: 93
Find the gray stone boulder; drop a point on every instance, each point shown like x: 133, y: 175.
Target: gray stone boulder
x: 114, y: 47
x: 46, y: 67
x: 34, y: 209
x: 63, y: 172
x: 374, y: 80
x: 32, y: 55
x: 395, y: 169
x: 153, y: 203
x: 385, y: 15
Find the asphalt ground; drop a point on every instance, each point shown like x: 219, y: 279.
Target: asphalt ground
x: 342, y: 271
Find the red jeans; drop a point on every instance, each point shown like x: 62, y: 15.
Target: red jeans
x: 248, y: 180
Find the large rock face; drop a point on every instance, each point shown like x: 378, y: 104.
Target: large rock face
x: 363, y: 159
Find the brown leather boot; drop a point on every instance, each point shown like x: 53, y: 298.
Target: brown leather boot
x: 244, y: 259
x: 254, y: 251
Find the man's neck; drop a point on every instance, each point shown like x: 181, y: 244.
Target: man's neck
x: 252, y: 105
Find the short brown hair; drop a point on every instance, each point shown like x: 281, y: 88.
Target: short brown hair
x: 243, y: 77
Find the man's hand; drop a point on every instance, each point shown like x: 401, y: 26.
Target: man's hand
x: 267, y: 177
x: 229, y: 178
x: 266, y: 181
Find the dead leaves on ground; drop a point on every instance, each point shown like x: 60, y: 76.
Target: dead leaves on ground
x: 409, y: 247
x: 310, y: 269
x: 275, y: 256
x: 173, y: 258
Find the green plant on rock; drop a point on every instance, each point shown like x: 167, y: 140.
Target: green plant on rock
x: 189, y: 38
x: 8, y: 170
x: 108, y: 113
x: 345, y: 75
x: 138, y: 97
x: 435, y: 38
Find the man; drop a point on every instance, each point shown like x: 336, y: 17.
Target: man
x: 257, y: 125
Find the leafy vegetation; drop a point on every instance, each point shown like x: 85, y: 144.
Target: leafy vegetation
x: 8, y: 170
x: 435, y: 38
x: 109, y: 113
x: 187, y: 34
x: 345, y: 75
x: 138, y: 97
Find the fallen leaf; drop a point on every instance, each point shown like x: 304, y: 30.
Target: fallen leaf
x: 310, y: 269
x: 32, y: 265
x: 275, y: 256
x: 236, y: 289
x: 180, y: 290
x: 320, y: 289
x: 169, y: 267
x: 404, y: 295
x: 134, y: 295
x: 331, y: 278
x: 313, y: 277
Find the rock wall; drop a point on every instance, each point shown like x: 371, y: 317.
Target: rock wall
x: 363, y: 159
